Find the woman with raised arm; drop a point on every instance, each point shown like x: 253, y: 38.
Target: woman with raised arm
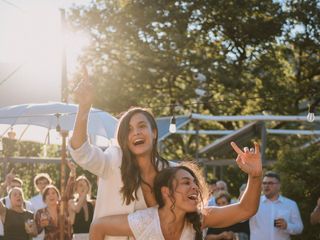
x: 17, y: 221
x: 180, y: 214
x: 127, y: 169
x: 81, y: 206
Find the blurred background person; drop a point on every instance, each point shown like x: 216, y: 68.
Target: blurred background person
x: 212, y: 186
x: 47, y: 218
x: 14, y: 182
x: 239, y: 231
x: 81, y: 207
x: 278, y: 217
x: 17, y: 222
x: 40, y: 181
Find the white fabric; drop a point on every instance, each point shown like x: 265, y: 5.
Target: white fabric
x: 261, y: 225
x: 106, y: 165
x: 29, y: 207
x: 37, y: 203
x: 145, y: 225
x: 80, y: 236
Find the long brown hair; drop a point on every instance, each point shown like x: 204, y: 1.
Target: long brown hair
x: 130, y: 173
x: 166, y: 177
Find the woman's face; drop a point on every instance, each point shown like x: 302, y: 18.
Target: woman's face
x: 16, y: 198
x: 51, y: 197
x: 222, y: 201
x: 140, y: 136
x: 82, y: 186
x: 186, y: 191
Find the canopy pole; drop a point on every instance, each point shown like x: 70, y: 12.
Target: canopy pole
x: 63, y: 204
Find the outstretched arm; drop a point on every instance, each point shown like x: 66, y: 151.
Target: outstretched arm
x: 84, y: 96
x: 116, y: 225
x: 250, y: 163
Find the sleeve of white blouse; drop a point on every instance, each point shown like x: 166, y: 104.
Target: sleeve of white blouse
x: 93, y: 159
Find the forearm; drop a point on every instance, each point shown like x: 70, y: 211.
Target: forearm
x: 79, y: 135
x: 214, y: 237
x: 3, y: 187
x: 251, y: 197
x: 116, y: 225
x: 315, y: 216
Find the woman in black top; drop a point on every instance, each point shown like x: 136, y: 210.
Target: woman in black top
x: 17, y: 221
x: 81, y: 207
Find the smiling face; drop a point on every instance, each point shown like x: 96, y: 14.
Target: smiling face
x: 51, y: 196
x: 186, y: 191
x: 140, y: 136
x: 16, y: 197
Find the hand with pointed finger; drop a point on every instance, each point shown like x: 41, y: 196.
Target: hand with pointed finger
x: 10, y: 176
x: 84, y: 90
x: 249, y: 161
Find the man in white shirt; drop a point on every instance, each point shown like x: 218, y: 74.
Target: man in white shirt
x: 40, y: 181
x: 278, y: 217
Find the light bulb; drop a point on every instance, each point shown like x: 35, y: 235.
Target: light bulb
x: 11, y: 134
x: 310, y: 117
x: 200, y: 92
x: 173, y: 127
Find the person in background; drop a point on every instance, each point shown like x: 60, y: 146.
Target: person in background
x: 212, y: 186
x: 315, y: 215
x: 47, y: 218
x: 14, y: 182
x: 81, y: 207
x: 222, y: 186
x: 40, y: 181
x: 239, y: 230
x: 278, y: 217
x: 17, y: 221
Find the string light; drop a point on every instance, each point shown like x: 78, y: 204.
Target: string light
x: 311, y: 115
x: 173, y: 127
x: 12, y: 134
x: 58, y: 127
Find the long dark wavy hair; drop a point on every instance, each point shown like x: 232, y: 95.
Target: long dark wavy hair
x: 130, y: 172
x: 166, y: 177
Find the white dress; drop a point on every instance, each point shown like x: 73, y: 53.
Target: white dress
x: 145, y: 225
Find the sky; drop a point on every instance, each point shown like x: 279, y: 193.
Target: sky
x: 31, y: 44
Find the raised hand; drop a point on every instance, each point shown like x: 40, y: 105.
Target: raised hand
x: 84, y: 90
x: 249, y: 161
x: 72, y: 167
x: 10, y: 176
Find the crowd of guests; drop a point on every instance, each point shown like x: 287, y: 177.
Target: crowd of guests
x: 40, y: 217
x: 277, y: 217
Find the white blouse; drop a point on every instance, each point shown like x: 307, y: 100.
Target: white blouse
x: 145, y: 225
